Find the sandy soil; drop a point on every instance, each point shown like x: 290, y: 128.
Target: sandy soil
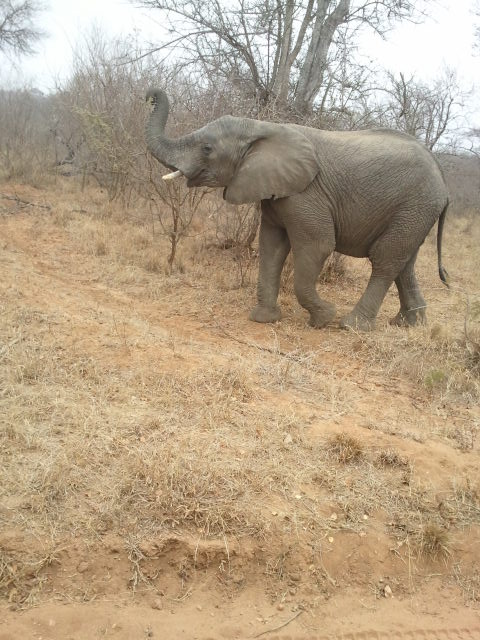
x: 366, y: 583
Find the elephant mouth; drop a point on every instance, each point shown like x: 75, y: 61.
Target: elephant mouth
x: 198, y: 179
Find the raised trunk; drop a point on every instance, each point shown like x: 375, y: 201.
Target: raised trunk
x: 170, y: 153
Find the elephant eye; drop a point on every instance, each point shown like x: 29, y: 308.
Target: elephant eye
x: 207, y: 149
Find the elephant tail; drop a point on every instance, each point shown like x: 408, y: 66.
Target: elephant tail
x: 442, y: 272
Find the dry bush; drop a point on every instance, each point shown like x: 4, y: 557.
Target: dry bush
x: 173, y: 206
x: 104, y: 113
x: 234, y: 226
x: 28, y: 151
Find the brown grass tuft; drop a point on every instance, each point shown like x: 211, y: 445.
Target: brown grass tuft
x: 391, y: 458
x: 433, y: 541
x: 345, y: 448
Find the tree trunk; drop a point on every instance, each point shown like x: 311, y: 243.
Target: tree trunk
x: 315, y: 64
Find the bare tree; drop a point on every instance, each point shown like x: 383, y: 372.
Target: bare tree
x: 425, y: 111
x: 278, y: 50
x: 18, y: 32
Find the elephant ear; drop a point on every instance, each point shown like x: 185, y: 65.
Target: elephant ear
x: 279, y: 163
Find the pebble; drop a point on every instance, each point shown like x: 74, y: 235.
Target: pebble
x: 387, y: 592
x: 157, y: 604
x: 82, y: 566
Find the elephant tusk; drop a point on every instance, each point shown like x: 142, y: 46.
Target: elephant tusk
x: 172, y: 176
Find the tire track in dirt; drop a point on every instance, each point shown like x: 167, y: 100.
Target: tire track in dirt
x: 417, y: 634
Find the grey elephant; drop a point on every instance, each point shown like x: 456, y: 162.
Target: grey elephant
x: 371, y: 193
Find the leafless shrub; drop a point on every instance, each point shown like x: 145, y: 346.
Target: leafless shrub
x: 425, y: 111
x: 234, y: 226
x: 173, y: 206
x: 103, y: 114
x: 28, y: 150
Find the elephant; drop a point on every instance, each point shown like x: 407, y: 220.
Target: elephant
x: 372, y: 193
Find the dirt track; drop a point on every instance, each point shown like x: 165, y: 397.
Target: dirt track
x: 86, y: 308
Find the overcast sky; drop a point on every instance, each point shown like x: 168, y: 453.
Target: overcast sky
x: 446, y: 38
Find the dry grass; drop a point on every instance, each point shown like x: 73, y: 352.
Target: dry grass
x: 21, y: 576
x: 469, y: 582
x: 433, y: 541
x: 391, y: 458
x: 142, y: 404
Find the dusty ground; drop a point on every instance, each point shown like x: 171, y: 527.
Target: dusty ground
x: 170, y: 469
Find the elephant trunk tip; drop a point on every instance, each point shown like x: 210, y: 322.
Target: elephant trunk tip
x: 156, y: 97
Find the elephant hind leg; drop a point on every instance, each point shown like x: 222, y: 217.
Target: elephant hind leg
x: 412, y: 303
x: 363, y: 315
x: 393, y: 258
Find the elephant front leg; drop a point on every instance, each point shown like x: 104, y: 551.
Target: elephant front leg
x: 308, y: 262
x: 274, y: 248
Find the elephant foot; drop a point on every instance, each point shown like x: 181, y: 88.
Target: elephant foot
x: 409, y: 318
x: 357, y: 322
x: 265, y: 314
x: 322, y: 316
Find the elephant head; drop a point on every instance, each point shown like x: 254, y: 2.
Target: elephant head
x: 250, y: 159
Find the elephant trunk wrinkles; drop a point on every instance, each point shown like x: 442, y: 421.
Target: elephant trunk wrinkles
x: 169, y: 152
